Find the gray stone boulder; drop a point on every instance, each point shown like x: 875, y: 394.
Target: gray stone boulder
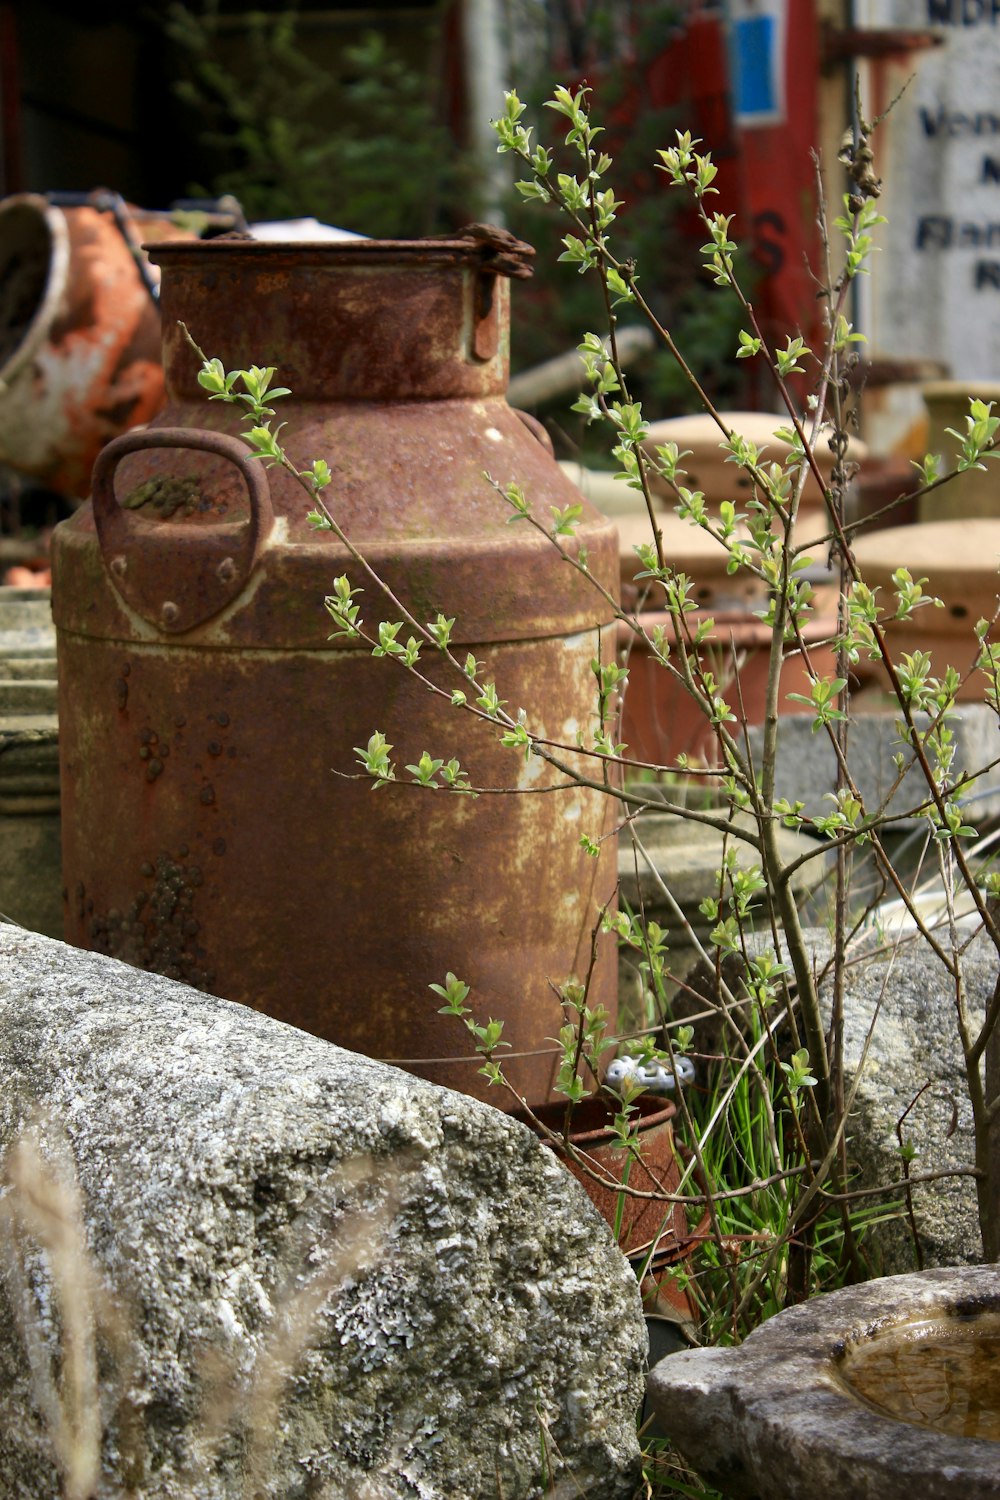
x: 914, y: 1051
x: 318, y: 1276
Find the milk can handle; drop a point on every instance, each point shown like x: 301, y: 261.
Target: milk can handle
x: 148, y: 565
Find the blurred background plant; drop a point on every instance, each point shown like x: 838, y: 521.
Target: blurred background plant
x: 365, y: 149
x: 376, y: 119
x: 375, y: 147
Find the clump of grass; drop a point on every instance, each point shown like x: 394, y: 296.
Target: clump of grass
x: 664, y: 1473
x: 54, y: 1284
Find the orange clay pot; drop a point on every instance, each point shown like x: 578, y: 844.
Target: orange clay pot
x: 660, y: 719
x: 646, y: 1224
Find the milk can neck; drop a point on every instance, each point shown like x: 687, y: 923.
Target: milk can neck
x: 366, y: 320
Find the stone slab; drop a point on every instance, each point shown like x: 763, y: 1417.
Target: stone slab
x: 806, y: 768
x: 900, y: 993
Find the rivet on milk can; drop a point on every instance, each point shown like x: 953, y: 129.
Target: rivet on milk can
x: 207, y: 719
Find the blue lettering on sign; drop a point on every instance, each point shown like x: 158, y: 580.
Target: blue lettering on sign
x: 959, y: 126
x: 942, y: 232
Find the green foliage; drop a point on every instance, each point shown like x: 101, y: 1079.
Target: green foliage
x: 486, y: 1038
x: 797, y: 1072
x: 978, y: 438
x: 746, y: 1119
x: 770, y: 551
x: 375, y: 758
x: 341, y: 607
x: 360, y: 146
x: 551, y: 310
x: 825, y: 694
x: 855, y: 224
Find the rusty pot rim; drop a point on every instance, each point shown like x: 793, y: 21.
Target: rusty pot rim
x: 745, y: 625
x: 362, y: 252
x: 653, y: 1111
x: 44, y: 315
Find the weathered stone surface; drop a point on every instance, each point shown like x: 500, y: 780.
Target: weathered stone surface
x: 807, y: 764
x: 776, y: 1419
x: 494, y: 1334
x: 26, y: 628
x: 915, y: 1046
x: 30, y: 883
x: 30, y: 879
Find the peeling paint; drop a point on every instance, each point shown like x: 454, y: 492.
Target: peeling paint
x: 89, y: 366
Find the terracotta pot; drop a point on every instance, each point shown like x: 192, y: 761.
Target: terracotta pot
x: 707, y: 465
x: 645, y: 1223
x: 959, y: 559
x: 661, y: 721
x: 974, y: 493
x: 690, y: 549
x: 887, y: 482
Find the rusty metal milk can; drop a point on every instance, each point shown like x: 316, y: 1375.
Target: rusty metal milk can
x: 206, y: 718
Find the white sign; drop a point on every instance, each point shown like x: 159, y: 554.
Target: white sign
x: 935, y: 288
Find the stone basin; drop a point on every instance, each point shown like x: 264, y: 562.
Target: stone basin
x: 886, y: 1391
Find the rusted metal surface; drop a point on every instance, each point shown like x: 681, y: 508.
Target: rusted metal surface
x: 218, y: 557
x: 79, y: 341
x: 207, y: 832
